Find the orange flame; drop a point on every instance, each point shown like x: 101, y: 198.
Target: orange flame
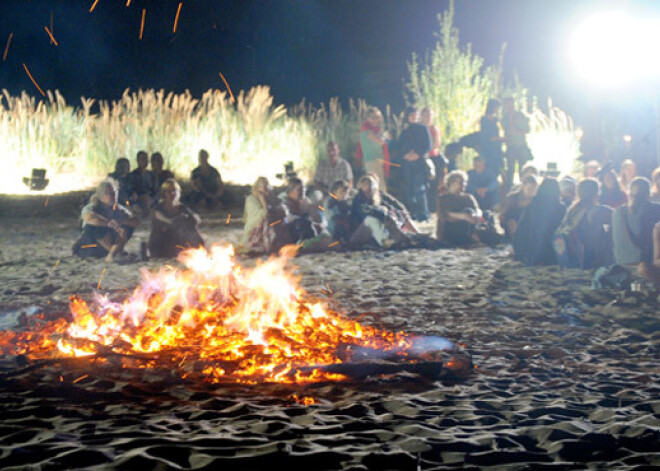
x: 212, y: 318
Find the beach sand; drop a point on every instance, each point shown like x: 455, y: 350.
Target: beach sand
x: 567, y: 377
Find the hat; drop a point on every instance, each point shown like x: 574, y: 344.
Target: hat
x: 551, y: 170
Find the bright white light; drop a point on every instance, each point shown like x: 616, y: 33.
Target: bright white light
x: 612, y: 49
x: 627, y: 138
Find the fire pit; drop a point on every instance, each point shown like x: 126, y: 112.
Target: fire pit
x: 217, y: 322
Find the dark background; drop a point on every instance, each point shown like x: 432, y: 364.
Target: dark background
x: 312, y: 49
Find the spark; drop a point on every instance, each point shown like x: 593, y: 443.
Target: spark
x: 33, y: 81
x: 128, y: 3
x: 274, y: 223
x: 144, y: 14
x: 87, y: 246
x: 52, y: 38
x: 390, y: 163
x: 176, y: 19
x: 61, y: 379
x: 321, y: 208
x: 93, y: 6
x: 80, y: 378
x: 228, y: 218
x: 334, y: 196
x: 228, y: 87
x: 4, y: 56
x: 328, y: 286
x: 46, y: 202
x: 101, y: 278
x: 56, y: 264
x: 336, y: 242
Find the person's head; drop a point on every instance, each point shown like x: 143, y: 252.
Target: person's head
x: 492, y: 107
x: 170, y: 191
x: 479, y: 164
x: 529, y: 169
x: 426, y: 116
x: 549, y: 189
x: 508, y: 104
x: 261, y: 186
x: 339, y: 189
x: 529, y: 186
x: 333, y: 152
x: 591, y: 169
x: 295, y: 189
x: 568, y: 188
x: 156, y: 161
x: 203, y: 157
x: 455, y: 181
x: 411, y: 114
x: 142, y: 160
x: 369, y: 186
x: 610, y: 180
x: 655, y: 181
x: 106, y: 193
x: 639, y: 192
x: 122, y: 166
x: 628, y: 170
x: 374, y: 116
x: 588, y: 190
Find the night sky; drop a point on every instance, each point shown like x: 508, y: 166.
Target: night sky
x: 312, y: 49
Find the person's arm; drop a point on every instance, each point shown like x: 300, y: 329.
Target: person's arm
x: 372, y: 136
x: 161, y: 217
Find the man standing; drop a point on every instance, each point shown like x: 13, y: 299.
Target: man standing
x: 332, y: 169
x: 516, y: 128
x: 414, y: 145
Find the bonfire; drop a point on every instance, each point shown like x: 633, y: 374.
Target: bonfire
x: 214, y: 320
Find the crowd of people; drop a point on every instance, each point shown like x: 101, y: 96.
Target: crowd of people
x: 605, y: 218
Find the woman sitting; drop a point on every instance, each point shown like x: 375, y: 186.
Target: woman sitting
x: 458, y: 213
x: 612, y: 193
x: 338, y: 209
x: 173, y: 225
x: 584, y: 239
x: 106, y: 225
x: 532, y: 241
x: 632, y: 225
x: 515, y: 203
x: 370, y: 220
x: 262, y: 209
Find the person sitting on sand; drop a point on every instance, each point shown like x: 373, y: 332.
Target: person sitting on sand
x: 632, y: 225
x: 144, y: 183
x: 370, y: 220
x: 611, y: 192
x: 458, y: 213
x: 483, y: 185
x: 515, y: 203
x: 159, y: 172
x: 126, y: 192
x: 655, y: 185
x: 396, y: 209
x: 583, y: 239
x: 332, y: 169
x: 106, y: 225
x: 627, y: 173
x: 304, y: 219
x: 338, y: 210
x: 263, y: 216
x: 207, y: 183
x: 174, y: 227
x: 651, y: 270
x: 532, y: 241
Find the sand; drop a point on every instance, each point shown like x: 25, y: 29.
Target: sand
x: 567, y: 377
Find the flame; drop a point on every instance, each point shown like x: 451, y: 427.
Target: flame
x: 214, y: 319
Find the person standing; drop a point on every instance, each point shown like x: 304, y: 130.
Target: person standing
x: 489, y: 137
x: 440, y: 163
x: 516, y: 128
x: 372, y: 148
x: 414, y: 145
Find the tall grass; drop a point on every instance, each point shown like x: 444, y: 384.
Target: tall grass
x: 78, y: 146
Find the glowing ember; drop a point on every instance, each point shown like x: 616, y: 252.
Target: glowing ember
x: 217, y: 320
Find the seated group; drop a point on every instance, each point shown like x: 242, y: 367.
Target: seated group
x: 114, y: 210
x: 554, y: 222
